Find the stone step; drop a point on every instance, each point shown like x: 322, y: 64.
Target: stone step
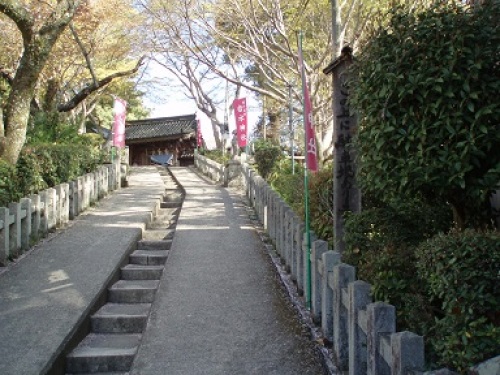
x: 166, y: 216
x: 120, y: 318
x: 154, y: 245
x: 158, y: 234
x: 172, y: 190
x: 141, y: 272
x: 133, y: 291
x: 162, y: 224
x: 171, y: 204
x: 103, y: 353
x: 148, y: 257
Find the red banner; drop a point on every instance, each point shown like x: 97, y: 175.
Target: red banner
x: 310, y: 142
x: 120, y: 113
x: 200, y: 137
x: 240, y: 115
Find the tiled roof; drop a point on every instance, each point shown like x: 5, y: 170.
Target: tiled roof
x: 160, y: 127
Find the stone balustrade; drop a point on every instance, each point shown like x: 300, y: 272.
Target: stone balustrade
x: 210, y: 168
x: 23, y: 223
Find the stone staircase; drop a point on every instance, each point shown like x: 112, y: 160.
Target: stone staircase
x: 116, y: 328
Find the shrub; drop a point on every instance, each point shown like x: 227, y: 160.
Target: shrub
x: 8, y: 184
x: 216, y: 155
x: 381, y: 243
x: 462, y: 273
x: 426, y: 92
x: 267, y: 154
x: 45, y: 165
x: 321, y: 203
x: 29, y: 172
x: 290, y: 186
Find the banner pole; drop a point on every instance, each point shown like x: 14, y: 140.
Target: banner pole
x: 306, y: 183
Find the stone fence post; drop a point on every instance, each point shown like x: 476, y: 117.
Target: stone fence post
x: 36, y: 211
x: 318, y: 248
x: 26, y: 227
x: 359, y: 299
x: 381, y: 323
x: 329, y: 259
x: 343, y: 275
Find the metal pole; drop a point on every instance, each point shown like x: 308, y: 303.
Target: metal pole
x: 290, y: 122
x: 306, y: 187
x: 264, y: 117
x: 226, y: 121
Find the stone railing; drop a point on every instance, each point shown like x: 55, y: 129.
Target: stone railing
x: 209, y: 168
x: 363, y: 332
x: 23, y: 223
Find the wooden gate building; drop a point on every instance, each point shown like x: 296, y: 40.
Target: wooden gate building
x: 157, y: 136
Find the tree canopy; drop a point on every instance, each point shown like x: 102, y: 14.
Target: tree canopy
x: 426, y: 90
x: 60, y: 57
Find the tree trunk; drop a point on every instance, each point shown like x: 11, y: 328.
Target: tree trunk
x: 215, y: 129
x: 17, y: 111
x: 37, y: 45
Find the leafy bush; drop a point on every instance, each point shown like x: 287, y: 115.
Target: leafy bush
x: 45, y: 165
x: 291, y: 189
x: 321, y: 203
x: 462, y: 272
x: 289, y: 185
x: 30, y: 175
x: 216, y: 155
x: 49, y: 127
x: 8, y: 184
x: 426, y: 91
x: 381, y: 243
x: 267, y: 154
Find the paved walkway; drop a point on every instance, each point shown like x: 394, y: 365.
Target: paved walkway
x: 219, y: 309
x: 50, y: 292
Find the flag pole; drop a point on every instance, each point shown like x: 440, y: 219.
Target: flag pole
x: 306, y: 182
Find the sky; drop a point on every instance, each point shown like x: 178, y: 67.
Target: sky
x: 184, y: 106
x: 170, y: 101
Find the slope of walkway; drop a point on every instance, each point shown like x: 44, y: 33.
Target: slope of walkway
x: 48, y: 293
x: 220, y: 308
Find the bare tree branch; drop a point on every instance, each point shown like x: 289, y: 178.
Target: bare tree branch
x: 84, y: 52
x: 95, y: 86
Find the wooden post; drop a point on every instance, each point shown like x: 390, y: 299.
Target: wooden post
x: 346, y: 195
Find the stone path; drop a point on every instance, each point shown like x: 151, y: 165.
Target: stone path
x: 220, y: 308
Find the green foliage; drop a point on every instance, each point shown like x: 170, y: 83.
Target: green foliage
x: 32, y: 168
x: 216, y: 155
x: 289, y: 185
x: 267, y: 154
x: 8, y: 184
x: 46, y: 165
x: 291, y: 189
x: 426, y: 91
x: 462, y: 272
x: 50, y: 127
x: 321, y: 203
x: 381, y: 243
